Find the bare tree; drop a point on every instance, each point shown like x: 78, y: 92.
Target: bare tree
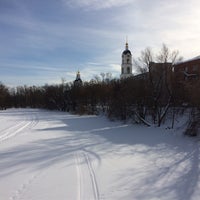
x: 165, y: 55
x: 103, y: 76
x: 160, y: 79
x: 142, y: 63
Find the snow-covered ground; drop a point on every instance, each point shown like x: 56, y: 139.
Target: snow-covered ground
x: 48, y: 155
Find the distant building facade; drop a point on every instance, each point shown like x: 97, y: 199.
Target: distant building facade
x: 188, y: 70
x: 126, y: 66
x: 160, y: 72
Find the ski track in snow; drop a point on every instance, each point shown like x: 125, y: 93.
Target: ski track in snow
x: 92, y: 176
x: 84, y: 166
x: 18, y: 127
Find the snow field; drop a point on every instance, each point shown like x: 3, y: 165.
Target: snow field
x: 48, y: 155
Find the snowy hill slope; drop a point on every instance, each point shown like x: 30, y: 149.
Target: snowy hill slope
x: 57, y: 156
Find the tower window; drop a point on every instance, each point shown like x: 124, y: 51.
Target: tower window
x: 128, y: 70
x: 127, y: 60
x: 122, y: 70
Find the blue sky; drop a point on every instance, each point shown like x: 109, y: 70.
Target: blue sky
x: 42, y: 41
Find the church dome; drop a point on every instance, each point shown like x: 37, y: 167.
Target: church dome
x: 125, y: 52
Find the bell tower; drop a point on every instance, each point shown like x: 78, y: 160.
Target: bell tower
x: 78, y: 81
x: 126, y: 66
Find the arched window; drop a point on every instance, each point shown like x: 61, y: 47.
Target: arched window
x: 122, y: 70
x: 128, y: 70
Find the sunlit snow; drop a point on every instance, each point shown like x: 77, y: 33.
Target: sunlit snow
x: 46, y: 155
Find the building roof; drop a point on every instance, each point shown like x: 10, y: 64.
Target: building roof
x: 125, y: 52
x: 189, y: 60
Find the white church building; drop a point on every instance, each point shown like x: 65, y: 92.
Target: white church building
x: 126, y: 66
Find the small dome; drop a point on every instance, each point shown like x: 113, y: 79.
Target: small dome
x: 125, y: 52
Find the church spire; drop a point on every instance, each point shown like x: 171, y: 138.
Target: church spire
x: 126, y: 43
x: 78, y: 81
x: 78, y: 76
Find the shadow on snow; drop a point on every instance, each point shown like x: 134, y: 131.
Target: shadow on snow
x: 173, y: 160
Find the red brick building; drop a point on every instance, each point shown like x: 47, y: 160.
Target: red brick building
x: 187, y: 70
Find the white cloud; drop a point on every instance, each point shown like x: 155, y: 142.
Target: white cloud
x: 96, y: 4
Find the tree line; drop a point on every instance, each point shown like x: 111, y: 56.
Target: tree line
x: 144, y: 99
